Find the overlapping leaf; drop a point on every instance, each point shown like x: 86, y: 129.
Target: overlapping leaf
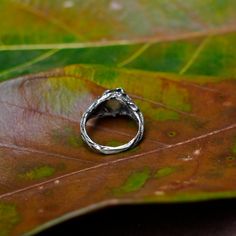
x: 182, y: 37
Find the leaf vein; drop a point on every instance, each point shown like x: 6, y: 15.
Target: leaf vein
x: 195, y: 55
x: 30, y: 63
x: 121, y: 42
x: 102, y: 165
x: 135, y: 55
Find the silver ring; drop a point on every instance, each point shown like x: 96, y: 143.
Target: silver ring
x: 112, y: 103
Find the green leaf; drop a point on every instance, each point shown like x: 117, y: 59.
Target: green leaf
x: 191, y: 37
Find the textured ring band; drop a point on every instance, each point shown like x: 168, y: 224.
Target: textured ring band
x: 112, y: 103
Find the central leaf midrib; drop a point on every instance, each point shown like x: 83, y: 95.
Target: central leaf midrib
x: 121, y: 42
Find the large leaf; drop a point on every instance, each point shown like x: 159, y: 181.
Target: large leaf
x: 189, y: 149
x: 48, y: 173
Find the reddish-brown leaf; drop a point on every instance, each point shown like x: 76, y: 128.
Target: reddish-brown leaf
x: 49, y: 174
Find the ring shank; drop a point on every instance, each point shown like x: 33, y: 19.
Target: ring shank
x: 136, y: 115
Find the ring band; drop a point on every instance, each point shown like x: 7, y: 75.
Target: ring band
x: 112, y: 103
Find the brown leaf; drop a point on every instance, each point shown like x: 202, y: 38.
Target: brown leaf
x: 49, y: 174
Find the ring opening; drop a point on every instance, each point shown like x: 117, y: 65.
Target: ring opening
x: 111, y: 131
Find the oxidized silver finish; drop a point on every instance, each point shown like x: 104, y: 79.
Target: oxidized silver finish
x: 122, y: 105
